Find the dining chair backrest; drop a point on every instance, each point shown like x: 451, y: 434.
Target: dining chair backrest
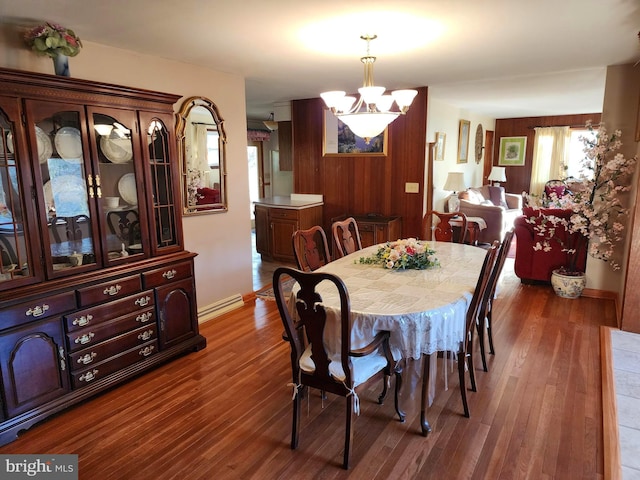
x: 310, y: 248
x: 485, y: 315
x: 443, y: 230
x: 346, y: 237
x: 125, y: 224
x: 311, y: 363
x: 465, y: 351
x: 69, y: 229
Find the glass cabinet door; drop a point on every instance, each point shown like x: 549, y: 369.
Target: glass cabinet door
x: 166, y: 221
x: 116, y: 148
x: 65, y: 186
x: 16, y: 245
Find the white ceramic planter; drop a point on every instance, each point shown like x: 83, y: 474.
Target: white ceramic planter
x: 568, y: 286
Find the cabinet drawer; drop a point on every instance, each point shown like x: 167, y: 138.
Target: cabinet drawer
x: 102, y: 351
x: 101, y: 370
x: 92, y: 335
x: 107, y: 311
x: 286, y: 213
x: 37, y: 309
x: 116, y: 288
x: 162, y: 276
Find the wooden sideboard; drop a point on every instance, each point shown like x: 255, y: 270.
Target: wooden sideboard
x: 376, y: 229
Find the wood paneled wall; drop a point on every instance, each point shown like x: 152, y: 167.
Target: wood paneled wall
x: 518, y: 178
x: 363, y: 184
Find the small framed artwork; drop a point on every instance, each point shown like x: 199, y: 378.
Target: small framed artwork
x: 440, y: 142
x: 463, y: 141
x: 512, y: 151
x: 339, y: 140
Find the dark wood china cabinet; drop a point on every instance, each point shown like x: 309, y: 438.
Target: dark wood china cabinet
x: 95, y: 285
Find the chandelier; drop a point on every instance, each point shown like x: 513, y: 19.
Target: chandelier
x: 372, y: 113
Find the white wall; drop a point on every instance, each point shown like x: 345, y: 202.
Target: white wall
x: 222, y: 241
x: 442, y: 117
x: 619, y: 111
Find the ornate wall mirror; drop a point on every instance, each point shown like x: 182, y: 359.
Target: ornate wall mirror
x: 201, y: 143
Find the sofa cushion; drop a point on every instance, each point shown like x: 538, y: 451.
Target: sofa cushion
x: 497, y: 196
x: 538, y: 212
x: 475, y: 196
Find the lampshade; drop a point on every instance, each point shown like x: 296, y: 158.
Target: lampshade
x: 455, y: 182
x: 497, y: 174
x: 372, y: 113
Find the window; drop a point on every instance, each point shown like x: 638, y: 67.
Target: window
x: 576, y: 152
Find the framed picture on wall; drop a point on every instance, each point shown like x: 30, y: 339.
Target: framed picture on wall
x: 463, y: 141
x: 338, y: 139
x: 440, y: 142
x: 512, y: 151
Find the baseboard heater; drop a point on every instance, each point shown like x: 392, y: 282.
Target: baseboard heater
x: 223, y: 306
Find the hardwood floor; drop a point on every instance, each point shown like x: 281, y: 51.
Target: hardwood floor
x: 225, y: 412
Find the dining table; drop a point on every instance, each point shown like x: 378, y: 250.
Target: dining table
x: 424, y: 310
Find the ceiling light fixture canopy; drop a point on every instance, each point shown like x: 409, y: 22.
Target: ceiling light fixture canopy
x: 376, y: 115
x: 270, y: 123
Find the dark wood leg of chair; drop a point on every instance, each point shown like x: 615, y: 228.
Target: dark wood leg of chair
x: 398, y: 373
x: 480, y: 329
x: 490, y: 333
x: 348, y: 435
x: 472, y: 373
x: 296, y: 422
x: 424, y: 424
x: 463, y: 386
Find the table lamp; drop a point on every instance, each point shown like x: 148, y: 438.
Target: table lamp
x: 455, y: 183
x: 497, y: 175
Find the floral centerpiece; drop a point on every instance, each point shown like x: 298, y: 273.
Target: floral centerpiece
x: 404, y: 254
x: 598, y: 215
x: 52, y: 40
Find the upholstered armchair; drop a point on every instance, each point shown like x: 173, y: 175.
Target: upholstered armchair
x: 498, y: 209
x: 534, y: 266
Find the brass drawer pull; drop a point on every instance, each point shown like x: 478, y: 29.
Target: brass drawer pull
x: 146, y: 335
x: 37, y: 311
x: 88, y: 376
x: 143, y: 301
x: 169, y: 274
x: 146, y: 351
x: 87, y: 358
x: 82, y: 321
x: 144, y: 317
x: 112, y: 290
x: 84, y: 338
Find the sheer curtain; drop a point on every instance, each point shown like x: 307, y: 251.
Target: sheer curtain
x: 550, y: 155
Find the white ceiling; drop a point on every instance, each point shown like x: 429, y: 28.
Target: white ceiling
x: 500, y: 58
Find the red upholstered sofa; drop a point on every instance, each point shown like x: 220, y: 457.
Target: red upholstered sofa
x: 208, y: 196
x: 533, y: 266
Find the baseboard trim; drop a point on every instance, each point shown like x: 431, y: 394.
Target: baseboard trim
x: 218, y: 308
x: 603, y: 294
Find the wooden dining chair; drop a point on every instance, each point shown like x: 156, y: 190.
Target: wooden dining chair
x: 443, y: 230
x: 486, y: 306
x: 310, y: 248
x: 346, y: 237
x: 313, y: 366
x: 465, y: 350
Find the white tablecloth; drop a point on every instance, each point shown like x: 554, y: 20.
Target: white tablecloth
x: 423, y: 309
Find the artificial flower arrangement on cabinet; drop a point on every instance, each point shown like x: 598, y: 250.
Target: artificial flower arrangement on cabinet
x: 54, y: 41
x: 598, y: 216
